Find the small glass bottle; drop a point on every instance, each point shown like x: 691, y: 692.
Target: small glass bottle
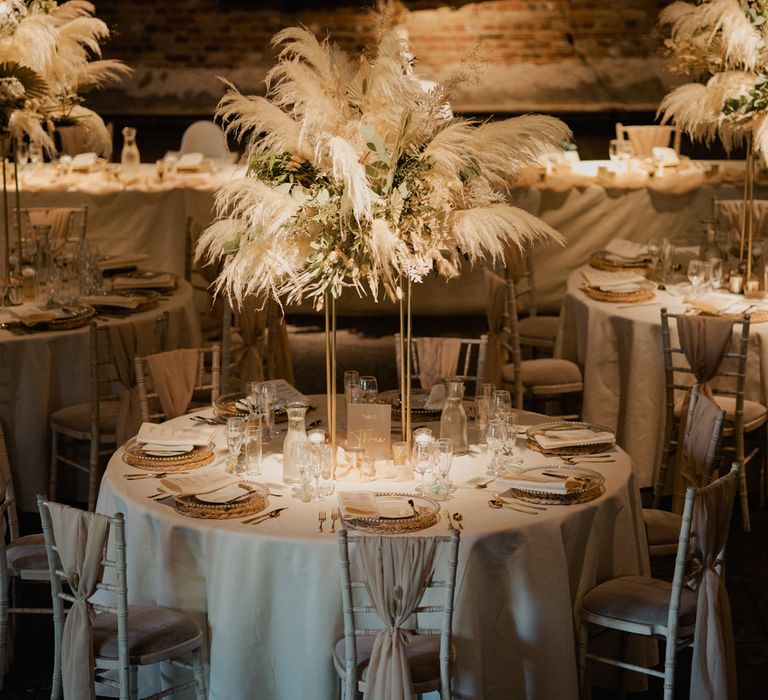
x: 297, y: 432
x: 129, y: 156
x: 453, y: 420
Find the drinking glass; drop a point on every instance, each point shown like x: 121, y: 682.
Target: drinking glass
x: 35, y: 152
x: 482, y: 409
x: 269, y: 393
x: 235, y: 437
x: 399, y: 454
x: 369, y: 389
x: 324, y: 457
x: 367, y: 469
x: 351, y: 386
x: 495, y: 437
x: 22, y: 153
x: 501, y: 404
x: 253, y: 448
x: 316, y: 465
x: 422, y: 435
x: 666, y: 254
x: 716, y: 274
x: 421, y: 459
x: 487, y: 390
x: 354, y: 455
x: 695, y: 274
x: 301, y: 456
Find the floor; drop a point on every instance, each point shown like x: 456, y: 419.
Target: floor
x: 366, y: 345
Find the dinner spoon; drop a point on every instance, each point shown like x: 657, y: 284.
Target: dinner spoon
x: 497, y: 504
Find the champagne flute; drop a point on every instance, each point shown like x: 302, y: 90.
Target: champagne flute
x: 369, y: 389
x: 235, y: 437
x: 444, y: 460
x: 495, y: 437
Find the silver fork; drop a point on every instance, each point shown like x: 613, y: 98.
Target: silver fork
x: 334, y: 518
x: 322, y: 517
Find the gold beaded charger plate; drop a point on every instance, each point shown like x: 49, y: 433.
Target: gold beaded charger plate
x: 583, y: 485
x: 236, y: 405
x: 624, y: 296
x: 65, y: 318
x: 236, y: 501
x: 588, y: 447
x: 154, y: 460
x: 603, y: 260
x: 396, y: 515
x: 755, y: 315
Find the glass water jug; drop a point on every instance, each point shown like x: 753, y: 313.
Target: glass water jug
x: 129, y: 157
x: 297, y: 432
x: 453, y: 421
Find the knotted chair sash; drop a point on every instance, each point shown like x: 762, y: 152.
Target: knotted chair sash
x: 128, y: 341
x: 438, y: 358
x: 703, y: 340
x: 495, y: 300
x: 713, y: 673
x: 397, y: 570
x: 80, y: 538
x: 57, y: 218
x: 704, y: 422
x: 253, y: 327
x: 173, y: 374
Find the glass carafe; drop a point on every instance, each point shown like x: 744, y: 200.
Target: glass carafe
x: 297, y: 432
x: 45, y: 265
x: 129, y: 157
x: 453, y: 421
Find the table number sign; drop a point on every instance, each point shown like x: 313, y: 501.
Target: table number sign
x: 368, y: 426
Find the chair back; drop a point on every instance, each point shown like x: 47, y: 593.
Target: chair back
x: 644, y: 138
x: 432, y: 359
x: 518, y: 268
x: 165, y: 391
x: 382, y: 564
x: 703, y: 435
x: 204, y: 137
x: 9, y: 519
x: 68, y: 224
x: 76, y: 547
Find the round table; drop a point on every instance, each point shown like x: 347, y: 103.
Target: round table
x: 42, y: 372
x: 269, y: 594
x: 619, y: 349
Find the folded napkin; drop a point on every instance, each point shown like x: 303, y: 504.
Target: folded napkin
x: 356, y: 504
x: 189, y: 159
x: 577, y: 436
x: 550, y: 484
x: 31, y: 316
x: 436, y: 399
x: 172, y: 437
x: 165, y: 280
x: 626, y: 250
x: 116, y: 300
x: 614, y: 281
x: 120, y: 262
x: 721, y: 303
x: 197, y: 484
x: 84, y: 161
x: 665, y: 155
x: 385, y: 471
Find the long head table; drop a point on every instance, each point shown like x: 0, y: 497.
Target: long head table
x: 269, y: 594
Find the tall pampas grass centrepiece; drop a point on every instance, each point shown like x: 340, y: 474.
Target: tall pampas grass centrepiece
x: 360, y: 179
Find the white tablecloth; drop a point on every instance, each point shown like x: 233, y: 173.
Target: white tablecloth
x: 42, y: 372
x: 619, y: 349
x: 271, y: 596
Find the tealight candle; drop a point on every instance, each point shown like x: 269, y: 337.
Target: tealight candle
x: 735, y: 283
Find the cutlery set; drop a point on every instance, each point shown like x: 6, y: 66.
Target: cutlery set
x: 322, y: 517
x: 156, y: 475
x: 261, y: 517
x: 457, y: 517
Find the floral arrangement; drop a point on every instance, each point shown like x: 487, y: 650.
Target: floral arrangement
x: 359, y: 178
x: 47, y: 53
x: 723, y: 45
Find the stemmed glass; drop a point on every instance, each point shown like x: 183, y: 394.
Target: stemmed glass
x: 235, y: 437
x: 444, y: 460
x: 695, y: 274
x: 501, y: 404
x: 482, y: 408
x: 301, y: 455
x: 421, y: 459
x: 369, y: 389
x: 495, y: 437
x: 269, y: 402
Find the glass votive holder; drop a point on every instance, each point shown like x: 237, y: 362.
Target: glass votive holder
x: 354, y: 456
x: 399, y: 454
x: 316, y: 436
x: 253, y: 448
x: 367, y: 468
x: 422, y: 435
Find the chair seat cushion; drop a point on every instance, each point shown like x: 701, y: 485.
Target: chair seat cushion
x: 151, y: 630
x: 544, y: 372
x: 423, y: 657
x: 78, y: 417
x: 538, y: 328
x: 754, y: 413
x: 639, y: 599
x: 27, y: 553
x: 661, y: 526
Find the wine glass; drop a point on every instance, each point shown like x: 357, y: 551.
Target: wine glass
x: 302, y: 456
x: 235, y: 437
x: 369, y: 389
x: 495, y: 437
x: 695, y: 274
x: 444, y: 460
x: 501, y: 404
x: 421, y: 459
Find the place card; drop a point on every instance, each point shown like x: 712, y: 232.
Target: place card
x: 368, y: 426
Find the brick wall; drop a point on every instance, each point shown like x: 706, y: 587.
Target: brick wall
x: 552, y: 55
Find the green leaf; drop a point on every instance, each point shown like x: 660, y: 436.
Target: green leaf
x: 33, y: 83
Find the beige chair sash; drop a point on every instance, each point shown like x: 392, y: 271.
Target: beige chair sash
x: 80, y: 538
x: 397, y: 570
x: 127, y: 341
x: 713, y: 673
x: 704, y: 422
x: 173, y: 374
x: 495, y: 299
x: 438, y: 358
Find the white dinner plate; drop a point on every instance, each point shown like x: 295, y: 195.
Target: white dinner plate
x: 156, y: 450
